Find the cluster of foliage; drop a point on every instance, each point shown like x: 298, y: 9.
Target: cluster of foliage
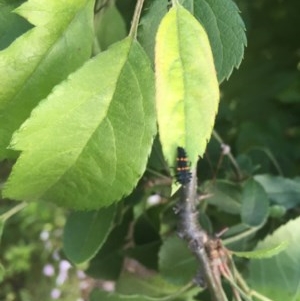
x: 31, y: 253
x: 79, y: 104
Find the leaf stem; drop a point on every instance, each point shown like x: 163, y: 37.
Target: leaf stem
x: 242, y: 283
x: 158, y: 174
x: 5, y: 216
x: 241, y: 292
x: 246, y: 288
x: 136, y: 18
x: 259, y: 296
x: 240, y: 236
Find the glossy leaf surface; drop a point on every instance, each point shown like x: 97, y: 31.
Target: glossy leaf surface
x: 11, y: 25
x: 40, y: 58
x: 87, y: 144
x: 221, y: 21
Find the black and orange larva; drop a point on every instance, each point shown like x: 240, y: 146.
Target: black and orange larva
x: 183, y: 174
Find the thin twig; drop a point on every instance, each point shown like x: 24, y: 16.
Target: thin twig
x: 230, y: 156
x: 244, y: 286
x: 259, y: 296
x: 240, y: 236
x: 220, y: 161
x: 136, y: 18
x: 271, y: 158
x: 158, y: 174
x: 5, y: 216
x: 235, y: 286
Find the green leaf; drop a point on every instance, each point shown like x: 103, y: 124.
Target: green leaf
x: 41, y: 58
x: 85, y: 232
x: 110, y: 26
x: 188, y: 4
x: 225, y: 195
x: 144, y: 285
x: 146, y: 254
x: 278, y: 277
x: 98, y: 295
x: 255, y: 204
x: 186, y: 85
x: 277, y: 211
x: 86, y: 145
x: 149, y: 25
x: 11, y: 25
x: 106, y: 265
x: 108, y: 262
x: 226, y: 32
x: 147, y: 226
x: 176, y: 262
x: 235, y: 230
x: 222, y: 22
x: 155, y: 284
x: 283, y: 191
x: 263, y: 253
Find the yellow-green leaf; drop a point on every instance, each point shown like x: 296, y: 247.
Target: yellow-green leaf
x: 186, y: 84
x: 87, y: 144
x: 59, y: 43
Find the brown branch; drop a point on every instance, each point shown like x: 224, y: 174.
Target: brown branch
x: 197, y: 238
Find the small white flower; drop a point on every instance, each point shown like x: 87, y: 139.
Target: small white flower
x: 81, y: 274
x: 154, y: 199
x: 55, y: 293
x: 61, y: 278
x: 44, y: 235
x: 48, y: 270
x: 64, y: 266
x: 109, y: 286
